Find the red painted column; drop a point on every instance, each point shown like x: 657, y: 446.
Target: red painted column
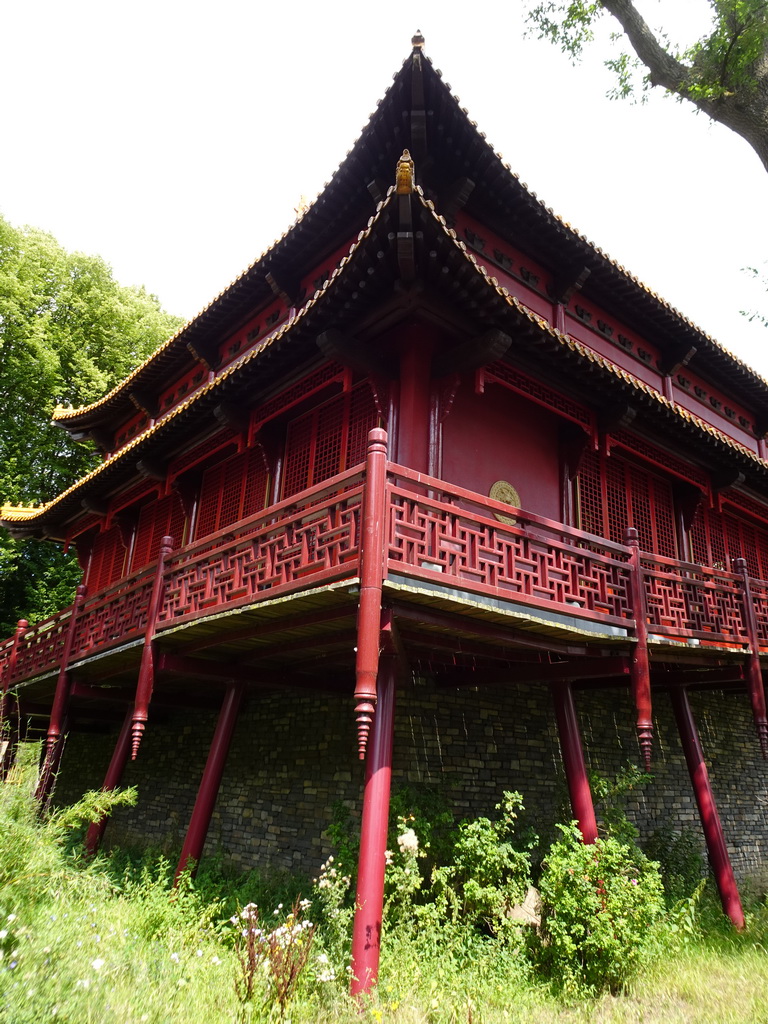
x: 710, y: 819
x: 211, y: 780
x: 59, y: 706
x: 112, y: 780
x: 640, y: 669
x: 5, y: 700
x: 50, y: 767
x: 417, y: 344
x: 372, y: 537
x: 146, y: 681
x: 573, y: 761
x: 754, y: 672
x: 366, y: 933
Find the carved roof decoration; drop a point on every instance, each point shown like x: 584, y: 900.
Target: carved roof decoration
x: 420, y: 113
x: 470, y: 289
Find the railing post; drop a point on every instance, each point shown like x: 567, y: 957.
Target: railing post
x: 710, y: 819
x: 53, y: 748
x: 211, y: 780
x: 754, y: 673
x: 640, y: 668
x: 369, y: 903
x: 372, y: 537
x: 146, y: 680
x: 112, y: 779
x: 573, y: 760
x: 5, y: 719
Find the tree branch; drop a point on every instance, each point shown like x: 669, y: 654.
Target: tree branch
x: 664, y: 69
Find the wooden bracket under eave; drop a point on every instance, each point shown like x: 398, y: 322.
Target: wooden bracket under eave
x: 616, y: 417
x: 153, y: 470
x: 288, y: 291
x: 727, y: 477
x: 455, y: 197
x: 144, y: 402
x: 567, y: 283
x: 229, y: 415
x: 353, y: 353
x: 93, y: 505
x: 206, y: 353
x: 676, y: 358
x: 472, y: 354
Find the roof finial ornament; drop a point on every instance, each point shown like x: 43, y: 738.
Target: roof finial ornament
x: 417, y: 42
x: 405, y: 179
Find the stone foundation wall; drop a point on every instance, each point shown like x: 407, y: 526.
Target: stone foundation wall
x: 293, y: 757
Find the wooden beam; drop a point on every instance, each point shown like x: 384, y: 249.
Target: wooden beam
x: 469, y: 355
x: 458, y: 624
x: 565, y: 671
x: 693, y: 676
x: 257, y: 631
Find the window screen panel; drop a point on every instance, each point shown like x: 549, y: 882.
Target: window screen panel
x: 107, y: 561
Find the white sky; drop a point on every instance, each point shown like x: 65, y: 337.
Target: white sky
x: 175, y: 139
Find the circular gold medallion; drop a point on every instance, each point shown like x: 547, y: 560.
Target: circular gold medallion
x: 503, y: 491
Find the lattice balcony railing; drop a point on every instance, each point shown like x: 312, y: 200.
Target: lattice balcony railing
x: 441, y: 532
x: 435, y: 532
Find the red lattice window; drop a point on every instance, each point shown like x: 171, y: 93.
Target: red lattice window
x: 718, y: 538
x: 107, y: 561
x: 329, y: 439
x: 614, y: 494
x: 233, y: 490
x: 157, y: 519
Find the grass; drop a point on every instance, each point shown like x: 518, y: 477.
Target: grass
x: 112, y: 941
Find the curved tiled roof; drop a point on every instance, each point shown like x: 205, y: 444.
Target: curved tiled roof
x: 344, y: 202
x: 342, y: 300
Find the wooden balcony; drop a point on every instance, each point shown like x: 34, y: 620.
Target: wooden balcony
x: 442, y: 543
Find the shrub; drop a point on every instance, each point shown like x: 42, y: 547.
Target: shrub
x: 487, y: 874
x: 680, y: 861
x: 598, y: 905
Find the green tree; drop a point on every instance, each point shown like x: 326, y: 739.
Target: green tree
x: 724, y: 74
x: 68, y: 333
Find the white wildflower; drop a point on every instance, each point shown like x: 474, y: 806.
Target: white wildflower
x: 408, y: 842
x: 97, y: 964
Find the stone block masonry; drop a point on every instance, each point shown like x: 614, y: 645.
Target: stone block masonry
x: 293, y: 757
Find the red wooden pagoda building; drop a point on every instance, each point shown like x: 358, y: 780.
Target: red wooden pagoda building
x: 432, y: 426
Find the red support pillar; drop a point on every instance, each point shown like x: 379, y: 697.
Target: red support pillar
x: 371, y: 575
x: 211, y: 780
x: 5, y: 700
x: 573, y: 761
x: 641, y: 676
x: 50, y: 768
x: 112, y: 779
x: 710, y: 819
x: 146, y: 681
x: 417, y: 343
x: 754, y: 672
x: 53, y: 746
x: 369, y: 904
